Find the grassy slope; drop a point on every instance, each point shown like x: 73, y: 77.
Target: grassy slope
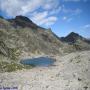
x: 15, y: 42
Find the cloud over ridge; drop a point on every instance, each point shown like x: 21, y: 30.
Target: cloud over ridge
x: 28, y: 7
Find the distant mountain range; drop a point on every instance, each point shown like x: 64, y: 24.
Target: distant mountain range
x: 20, y: 37
x: 73, y: 38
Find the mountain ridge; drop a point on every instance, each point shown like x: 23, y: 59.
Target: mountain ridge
x: 27, y: 38
x: 21, y: 38
x: 23, y: 22
x: 73, y: 37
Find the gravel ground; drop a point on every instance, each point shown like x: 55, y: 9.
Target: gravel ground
x: 69, y: 72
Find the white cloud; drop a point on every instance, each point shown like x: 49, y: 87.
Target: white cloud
x: 71, y: 11
x: 50, y: 20
x: 87, y: 26
x: 15, y: 7
x: 47, y: 14
x: 67, y: 19
x: 42, y: 18
x: 64, y: 18
x: 27, y: 7
x: 56, y: 11
x: 49, y: 4
x: 75, y: 0
x: 31, y: 6
x: 71, y: 0
x: 39, y: 16
x: 11, y: 7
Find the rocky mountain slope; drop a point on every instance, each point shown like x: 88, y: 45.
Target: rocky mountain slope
x: 22, y: 34
x: 76, y: 41
x: 20, y: 37
x: 73, y: 38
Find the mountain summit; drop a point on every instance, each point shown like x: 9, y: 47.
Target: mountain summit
x: 72, y: 38
x: 76, y: 42
x: 22, y: 35
x: 23, y: 22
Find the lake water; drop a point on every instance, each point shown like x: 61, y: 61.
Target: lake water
x: 41, y: 61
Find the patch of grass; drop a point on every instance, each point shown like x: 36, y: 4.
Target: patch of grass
x: 12, y: 66
x: 9, y: 67
x: 14, y: 53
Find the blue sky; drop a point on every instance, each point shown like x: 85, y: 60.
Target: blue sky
x: 62, y: 16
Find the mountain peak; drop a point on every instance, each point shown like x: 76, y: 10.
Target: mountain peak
x: 72, y: 37
x: 23, y: 18
x: 23, y: 22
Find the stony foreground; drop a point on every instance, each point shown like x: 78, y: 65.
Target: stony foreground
x: 70, y: 72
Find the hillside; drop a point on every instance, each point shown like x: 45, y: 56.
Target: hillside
x: 23, y: 34
x: 20, y: 38
x: 76, y: 41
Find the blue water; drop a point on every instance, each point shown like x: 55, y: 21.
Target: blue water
x: 41, y: 61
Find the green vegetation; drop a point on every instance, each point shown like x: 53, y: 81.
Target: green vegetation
x: 14, y: 53
x: 9, y: 67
